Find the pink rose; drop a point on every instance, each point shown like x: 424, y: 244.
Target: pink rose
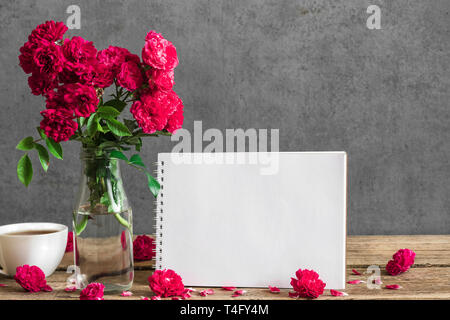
x: 166, y: 283
x: 80, y: 59
x: 403, y: 259
x: 143, y: 248
x: 160, y: 79
x: 58, y: 124
x: 69, y: 245
x: 130, y: 75
x: 48, y: 32
x: 113, y: 57
x: 80, y: 98
x: 31, y: 278
x: 175, y: 120
x: 158, y: 52
x: 93, y: 291
x: 307, y: 284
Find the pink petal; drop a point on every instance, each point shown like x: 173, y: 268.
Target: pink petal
x: 70, y: 289
x: 188, y: 290
x: 393, y: 287
x: 126, y: 293
x: 377, y: 281
x: 355, y: 282
x: 145, y: 298
x: 176, y: 298
x: 155, y: 298
x: 3, y: 285
x: 185, y: 296
x: 293, y: 294
x: 338, y: 293
x: 206, y: 292
x: 274, y: 289
x: 356, y: 272
x: 229, y: 288
x: 239, y: 292
x: 236, y: 295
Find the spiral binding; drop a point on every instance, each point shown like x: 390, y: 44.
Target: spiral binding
x: 159, y: 215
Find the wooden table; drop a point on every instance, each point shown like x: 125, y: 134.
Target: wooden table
x: 429, y: 278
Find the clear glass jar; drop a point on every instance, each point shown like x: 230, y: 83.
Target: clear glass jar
x: 102, y: 224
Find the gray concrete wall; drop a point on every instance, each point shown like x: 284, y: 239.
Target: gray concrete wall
x: 310, y: 68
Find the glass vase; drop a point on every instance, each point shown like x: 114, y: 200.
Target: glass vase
x: 102, y: 224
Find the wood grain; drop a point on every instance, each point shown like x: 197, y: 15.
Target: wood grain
x: 428, y: 279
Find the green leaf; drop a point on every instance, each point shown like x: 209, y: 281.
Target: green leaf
x: 82, y: 121
x: 92, y: 126
x: 136, y: 160
x: 44, y: 158
x: 107, y: 112
x: 117, y: 104
x: 118, y: 128
x: 131, y: 124
x: 153, y: 184
x: 53, y: 146
x: 25, y: 144
x: 109, y: 144
x: 82, y: 225
x: 25, y: 170
x: 118, y: 155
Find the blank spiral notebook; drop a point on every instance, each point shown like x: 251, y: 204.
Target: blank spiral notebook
x: 226, y: 219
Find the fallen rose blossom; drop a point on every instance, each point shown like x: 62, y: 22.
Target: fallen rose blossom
x: 307, y: 284
x: 274, y: 289
x: 31, y: 278
x: 229, y: 288
x: 206, y: 292
x: 70, y: 289
x: 166, y: 283
x: 126, y: 293
x: 93, y: 291
x: 355, y: 281
x: 145, y: 298
x: 156, y: 298
x: 393, y: 287
x: 401, y: 261
x: 336, y: 293
x: 355, y: 272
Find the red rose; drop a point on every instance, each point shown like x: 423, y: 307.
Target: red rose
x: 58, y: 124
x: 93, y: 291
x: 307, y: 284
x: 26, y: 60
x: 103, y: 76
x: 31, y: 278
x: 403, y: 259
x: 69, y: 245
x: 143, y: 248
x: 48, y: 60
x: 48, y: 32
x: 40, y: 84
x: 80, y: 59
x: 130, y: 75
x: 160, y: 79
x: 113, y: 57
x: 166, y: 283
x: 80, y: 98
x: 158, y: 52
x: 175, y: 121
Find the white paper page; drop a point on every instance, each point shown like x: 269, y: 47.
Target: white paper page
x: 230, y: 225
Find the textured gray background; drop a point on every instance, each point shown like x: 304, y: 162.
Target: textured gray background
x: 310, y: 68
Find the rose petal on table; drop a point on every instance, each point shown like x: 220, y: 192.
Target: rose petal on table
x: 3, y: 285
x: 155, y: 298
x: 70, y: 289
x: 185, y: 296
x: 206, y: 292
x: 355, y: 272
x: 239, y: 292
x: 377, y: 281
x: 229, y: 288
x: 393, y: 287
x: 126, y: 293
x: 336, y: 293
x: 176, y: 298
x: 187, y: 290
x: 355, y: 281
x: 293, y: 295
x: 145, y: 298
x: 274, y: 289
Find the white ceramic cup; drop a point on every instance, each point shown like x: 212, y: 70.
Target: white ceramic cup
x: 43, y: 250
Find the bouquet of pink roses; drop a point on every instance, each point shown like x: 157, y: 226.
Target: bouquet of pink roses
x: 73, y: 76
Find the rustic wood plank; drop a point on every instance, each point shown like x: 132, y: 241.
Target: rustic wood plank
x: 428, y: 279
